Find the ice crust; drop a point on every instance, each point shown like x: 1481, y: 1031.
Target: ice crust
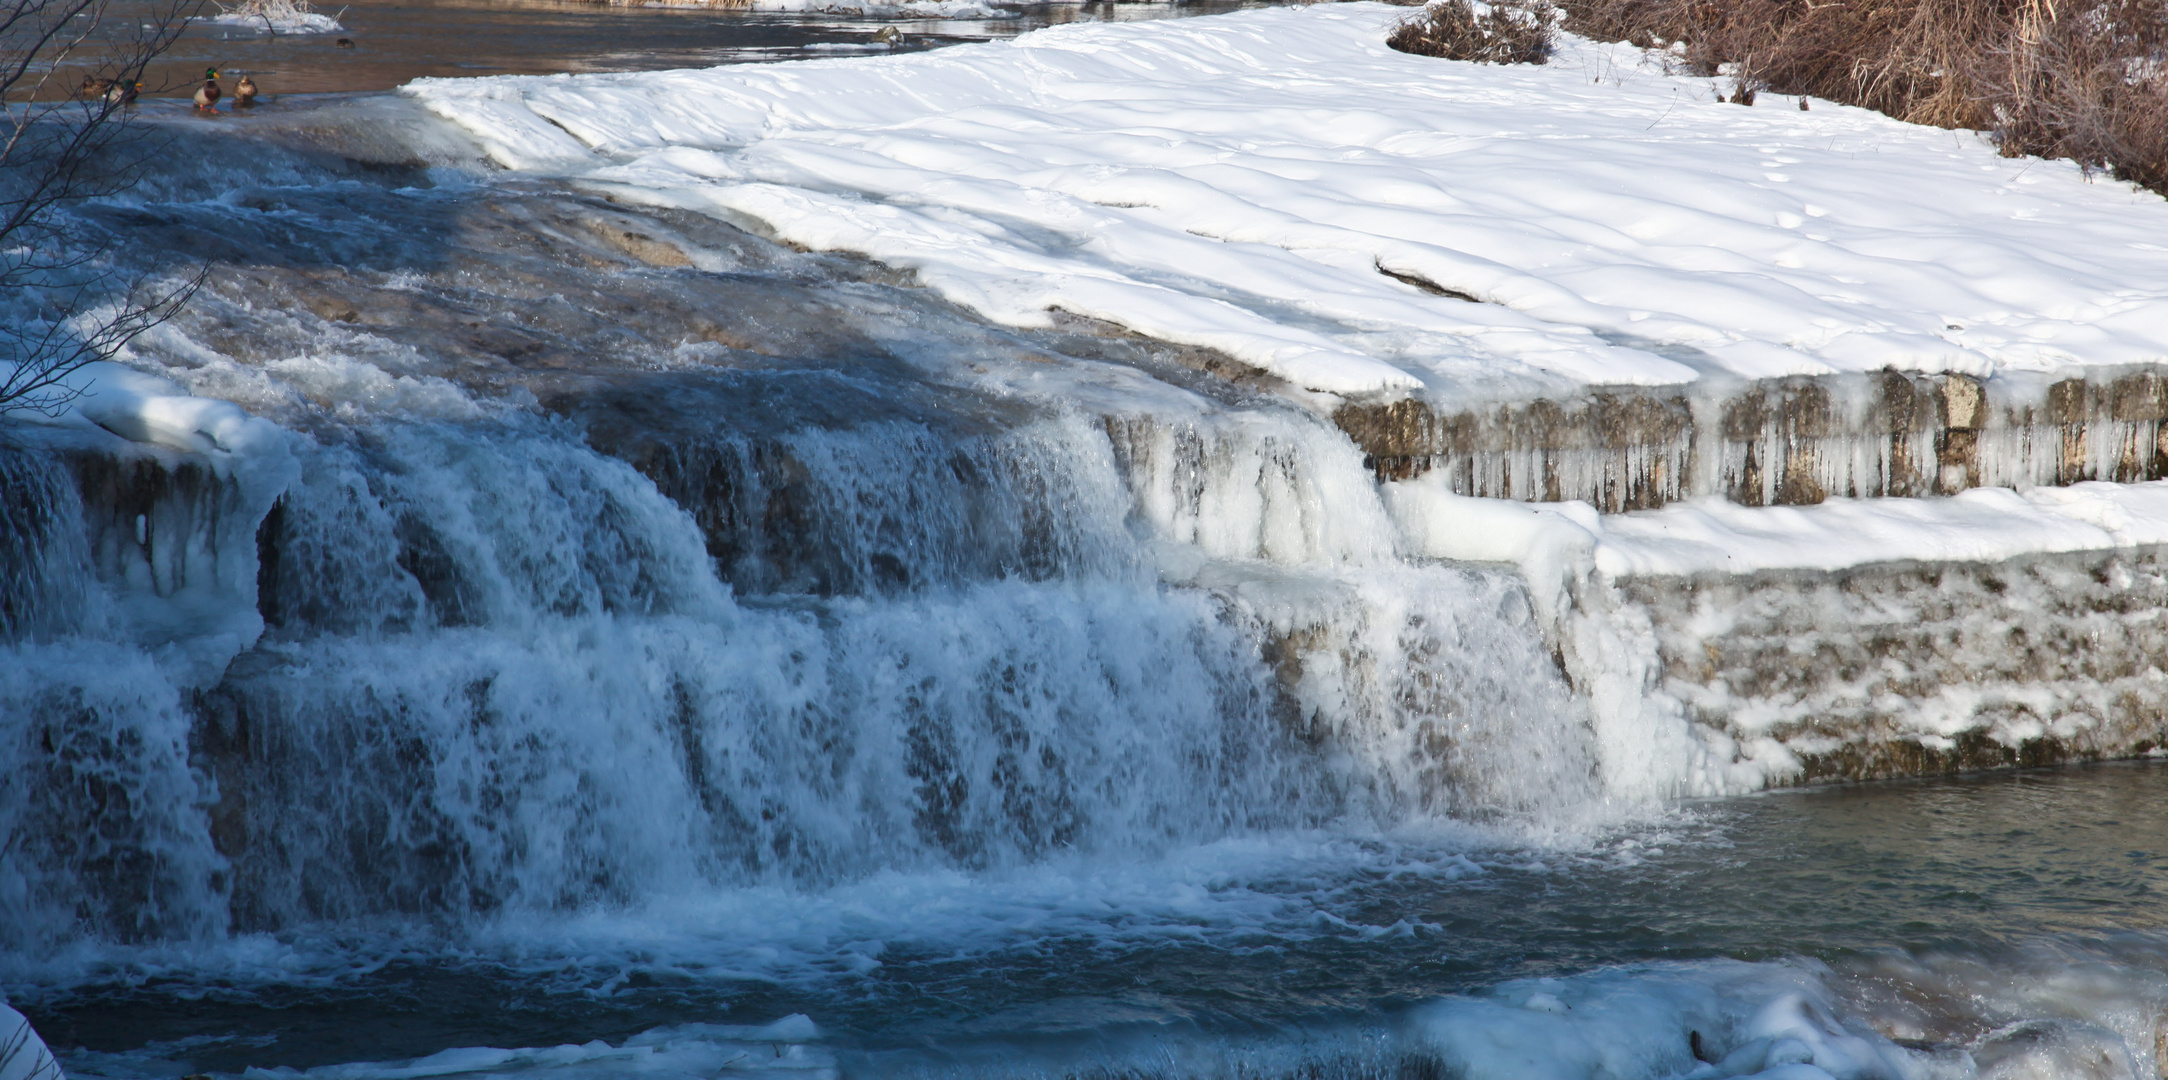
x: 23, y: 1055
x: 1248, y: 182
x: 1716, y: 536
x: 1796, y: 1019
x: 188, y: 583
x: 287, y: 22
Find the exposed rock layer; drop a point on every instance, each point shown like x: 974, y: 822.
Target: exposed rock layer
x: 1915, y: 669
x: 1784, y: 442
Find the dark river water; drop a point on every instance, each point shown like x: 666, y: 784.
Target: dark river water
x: 1940, y: 913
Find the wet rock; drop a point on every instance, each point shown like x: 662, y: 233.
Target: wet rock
x: 2057, y: 1049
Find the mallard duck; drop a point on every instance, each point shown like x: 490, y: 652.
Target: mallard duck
x: 244, y: 93
x: 124, y: 93
x: 208, y: 94
x: 345, y: 43
x: 94, y: 86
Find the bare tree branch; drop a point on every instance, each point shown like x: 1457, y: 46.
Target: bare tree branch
x: 62, y: 305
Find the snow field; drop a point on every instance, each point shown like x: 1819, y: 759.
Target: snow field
x: 1249, y: 182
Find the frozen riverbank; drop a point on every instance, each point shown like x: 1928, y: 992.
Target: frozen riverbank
x: 1279, y: 186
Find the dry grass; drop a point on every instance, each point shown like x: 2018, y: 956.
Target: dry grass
x: 1500, y: 32
x: 2079, y: 79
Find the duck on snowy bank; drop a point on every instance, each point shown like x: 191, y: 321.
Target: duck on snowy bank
x: 208, y: 94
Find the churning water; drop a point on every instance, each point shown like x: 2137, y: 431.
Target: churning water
x: 648, y: 649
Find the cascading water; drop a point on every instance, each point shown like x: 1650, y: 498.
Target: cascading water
x: 508, y: 658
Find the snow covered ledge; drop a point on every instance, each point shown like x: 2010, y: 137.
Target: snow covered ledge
x: 159, y: 494
x: 1590, y: 279
x: 1856, y: 639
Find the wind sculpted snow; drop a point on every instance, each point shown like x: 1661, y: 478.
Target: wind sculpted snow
x: 1280, y: 186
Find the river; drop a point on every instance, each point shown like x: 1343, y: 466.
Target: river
x: 648, y: 648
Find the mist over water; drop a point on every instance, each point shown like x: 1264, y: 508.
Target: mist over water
x: 641, y: 632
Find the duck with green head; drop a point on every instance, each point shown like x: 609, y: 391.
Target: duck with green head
x: 208, y: 94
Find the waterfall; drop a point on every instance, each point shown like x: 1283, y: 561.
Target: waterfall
x: 501, y: 670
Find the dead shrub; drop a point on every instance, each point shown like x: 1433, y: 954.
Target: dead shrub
x: 2081, y: 79
x: 1500, y: 32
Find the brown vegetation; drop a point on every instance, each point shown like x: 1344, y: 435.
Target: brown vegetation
x: 1502, y: 32
x: 2079, y: 79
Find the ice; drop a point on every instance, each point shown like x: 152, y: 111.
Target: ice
x: 784, y: 1050
x: 23, y: 1056
x: 141, y: 407
x: 1939, y: 1017
x: 183, y: 558
x: 276, y: 17
x: 1268, y: 183
x: 1774, y: 1021
x: 1712, y: 535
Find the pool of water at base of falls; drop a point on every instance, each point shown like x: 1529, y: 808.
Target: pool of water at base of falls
x: 1955, y: 924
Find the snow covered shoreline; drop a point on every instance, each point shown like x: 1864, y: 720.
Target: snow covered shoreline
x: 1278, y: 185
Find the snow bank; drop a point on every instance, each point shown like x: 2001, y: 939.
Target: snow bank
x: 787, y: 1049
x: 1885, y: 1018
x: 23, y: 1056
x: 185, y: 567
x: 1713, y: 535
x: 1775, y: 1021
x: 286, y: 22
x: 1980, y: 525
x: 1252, y: 182
x: 145, y: 408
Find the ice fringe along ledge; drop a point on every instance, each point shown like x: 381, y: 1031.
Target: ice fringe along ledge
x: 1783, y: 442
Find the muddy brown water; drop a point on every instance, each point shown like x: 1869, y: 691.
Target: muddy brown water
x: 395, y: 42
